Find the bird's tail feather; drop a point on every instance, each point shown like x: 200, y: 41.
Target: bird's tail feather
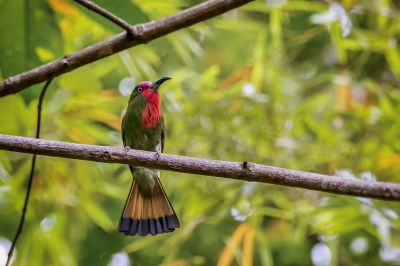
x: 148, y: 215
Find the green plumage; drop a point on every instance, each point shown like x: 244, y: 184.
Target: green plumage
x: 137, y: 137
x: 147, y: 209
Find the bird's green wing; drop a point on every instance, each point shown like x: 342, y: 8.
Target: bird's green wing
x: 123, y: 137
x: 162, y: 134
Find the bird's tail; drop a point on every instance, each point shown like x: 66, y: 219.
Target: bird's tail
x: 147, y: 215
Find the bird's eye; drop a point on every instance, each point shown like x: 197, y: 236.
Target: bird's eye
x: 139, y: 89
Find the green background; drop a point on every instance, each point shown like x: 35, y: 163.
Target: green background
x: 306, y: 85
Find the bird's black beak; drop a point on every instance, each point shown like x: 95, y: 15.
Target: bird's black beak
x: 156, y: 84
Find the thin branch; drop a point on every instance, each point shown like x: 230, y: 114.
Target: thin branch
x: 101, y: 11
x: 28, y: 189
x: 246, y: 171
x: 143, y: 33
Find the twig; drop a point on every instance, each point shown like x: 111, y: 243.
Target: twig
x: 143, y: 33
x: 101, y: 11
x: 28, y: 189
x: 232, y: 170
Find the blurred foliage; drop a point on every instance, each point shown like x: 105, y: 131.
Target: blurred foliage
x: 308, y: 85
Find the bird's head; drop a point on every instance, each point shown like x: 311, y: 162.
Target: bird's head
x: 148, y: 87
x: 148, y: 92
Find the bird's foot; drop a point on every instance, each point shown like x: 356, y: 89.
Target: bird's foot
x: 126, y: 149
x: 158, y: 155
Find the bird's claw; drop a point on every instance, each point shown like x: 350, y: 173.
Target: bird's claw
x: 126, y: 149
x: 158, y: 155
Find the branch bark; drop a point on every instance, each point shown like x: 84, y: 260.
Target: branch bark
x: 108, y: 15
x: 142, y: 33
x: 234, y: 170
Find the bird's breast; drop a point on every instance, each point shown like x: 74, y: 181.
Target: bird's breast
x: 151, y: 115
x: 142, y: 126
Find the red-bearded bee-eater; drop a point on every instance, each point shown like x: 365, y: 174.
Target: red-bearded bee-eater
x: 147, y: 209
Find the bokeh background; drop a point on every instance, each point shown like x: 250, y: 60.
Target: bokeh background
x: 307, y: 85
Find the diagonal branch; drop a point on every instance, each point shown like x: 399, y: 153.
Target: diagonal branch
x: 234, y: 170
x: 108, y: 15
x: 142, y: 33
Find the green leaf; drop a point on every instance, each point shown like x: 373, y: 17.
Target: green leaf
x: 26, y: 26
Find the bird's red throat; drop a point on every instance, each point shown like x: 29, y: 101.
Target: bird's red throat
x: 151, y: 114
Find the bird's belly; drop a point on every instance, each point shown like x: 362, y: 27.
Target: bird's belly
x: 140, y: 138
x: 146, y: 141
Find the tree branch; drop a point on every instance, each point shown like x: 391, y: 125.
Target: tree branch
x: 142, y: 33
x: 30, y: 180
x: 234, y: 170
x: 108, y: 15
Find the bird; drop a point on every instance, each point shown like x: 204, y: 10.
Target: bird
x: 147, y: 209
